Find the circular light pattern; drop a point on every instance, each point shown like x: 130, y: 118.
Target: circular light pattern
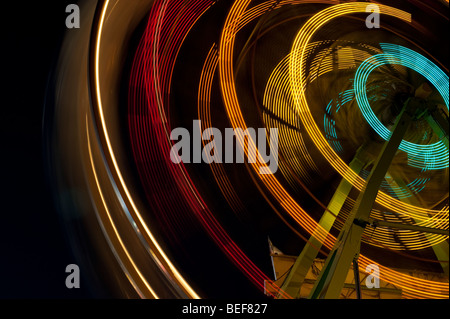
x: 298, y: 81
x: 428, y: 157
x: 297, y: 76
x: 279, y: 103
x: 169, y: 25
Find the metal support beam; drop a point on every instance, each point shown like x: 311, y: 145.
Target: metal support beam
x: 303, y: 263
x: 382, y: 223
x: 356, y: 274
x: 441, y: 119
x: 332, y: 277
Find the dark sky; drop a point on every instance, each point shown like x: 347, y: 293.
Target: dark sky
x: 34, y: 252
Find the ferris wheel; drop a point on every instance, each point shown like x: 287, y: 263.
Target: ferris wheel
x: 353, y: 100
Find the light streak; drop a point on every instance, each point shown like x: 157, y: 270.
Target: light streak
x: 150, y: 77
x: 169, y: 268
x: 127, y: 265
x: 428, y: 157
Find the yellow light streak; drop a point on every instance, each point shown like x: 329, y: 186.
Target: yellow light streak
x: 157, y: 251
x: 117, y: 236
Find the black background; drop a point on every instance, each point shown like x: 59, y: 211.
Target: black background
x: 33, y: 250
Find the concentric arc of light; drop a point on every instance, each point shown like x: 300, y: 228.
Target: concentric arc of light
x: 431, y: 156
x: 165, y: 260
x: 116, y: 232
x: 297, y: 75
x: 413, y: 286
